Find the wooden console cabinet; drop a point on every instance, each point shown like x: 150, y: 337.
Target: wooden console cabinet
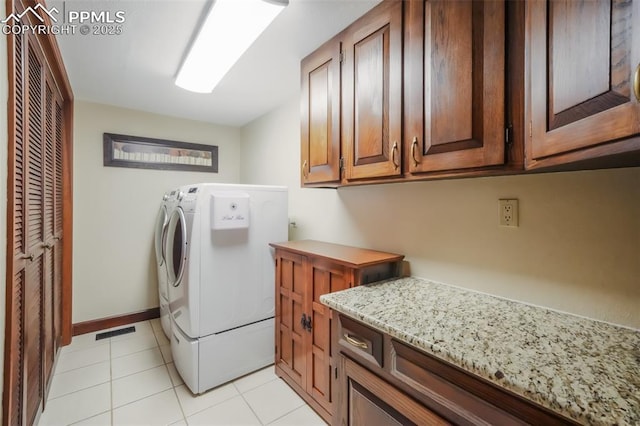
x: 305, y: 270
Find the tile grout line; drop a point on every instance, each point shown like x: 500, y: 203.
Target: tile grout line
x: 108, y: 342
x: 173, y: 385
x: 251, y: 408
x: 89, y: 387
x: 128, y: 375
x: 184, y: 415
x: 84, y: 366
x: 210, y: 406
x: 110, y: 385
x: 57, y: 374
x: 142, y: 398
x: 256, y: 414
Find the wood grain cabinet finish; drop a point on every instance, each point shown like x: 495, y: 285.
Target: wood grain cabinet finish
x: 372, y: 401
x: 454, y: 84
x: 39, y: 231
x: 403, y: 385
x: 305, y: 270
x: 417, y: 90
x: 320, y: 123
x: 372, y: 94
x: 585, y: 56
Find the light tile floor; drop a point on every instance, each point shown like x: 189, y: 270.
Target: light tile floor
x: 131, y: 380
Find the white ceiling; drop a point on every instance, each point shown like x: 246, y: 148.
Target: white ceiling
x: 136, y: 69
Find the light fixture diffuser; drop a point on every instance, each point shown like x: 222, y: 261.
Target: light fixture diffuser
x: 230, y: 27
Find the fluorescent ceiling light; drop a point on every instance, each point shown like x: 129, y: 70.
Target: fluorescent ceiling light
x: 227, y: 32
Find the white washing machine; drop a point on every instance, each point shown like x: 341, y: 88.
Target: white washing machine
x: 162, y: 221
x: 221, y: 274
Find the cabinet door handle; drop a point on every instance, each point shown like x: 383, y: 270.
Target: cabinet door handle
x: 304, y: 169
x: 28, y: 257
x: 354, y: 341
x: 394, y: 149
x: 414, y: 144
x: 636, y: 83
x: 305, y: 322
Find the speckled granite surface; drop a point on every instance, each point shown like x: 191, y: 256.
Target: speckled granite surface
x: 584, y: 369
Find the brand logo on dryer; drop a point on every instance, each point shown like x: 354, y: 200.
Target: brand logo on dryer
x: 233, y: 217
x: 233, y: 206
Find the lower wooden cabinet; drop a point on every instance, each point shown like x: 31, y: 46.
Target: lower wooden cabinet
x: 370, y: 400
x: 305, y: 270
x: 382, y: 381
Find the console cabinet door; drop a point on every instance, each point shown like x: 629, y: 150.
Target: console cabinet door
x: 291, y: 288
x: 454, y: 84
x: 584, y: 57
x: 325, y: 277
x: 320, y: 124
x: 372, y: 94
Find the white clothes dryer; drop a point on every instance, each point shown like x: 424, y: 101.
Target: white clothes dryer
x: 221, y: 274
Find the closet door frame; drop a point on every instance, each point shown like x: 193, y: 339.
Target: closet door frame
x: 52, y: 58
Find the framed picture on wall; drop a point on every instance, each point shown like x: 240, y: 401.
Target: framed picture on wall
x: 160, y: 154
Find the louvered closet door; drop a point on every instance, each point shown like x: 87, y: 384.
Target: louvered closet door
x: 52, y: 258
x: 15, y: 376
x: 34, y: 286
x: 57, y: 223
x: 37, y: 209
x: 38, y: 149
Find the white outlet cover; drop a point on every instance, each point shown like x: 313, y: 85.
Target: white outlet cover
x: 508, y: 212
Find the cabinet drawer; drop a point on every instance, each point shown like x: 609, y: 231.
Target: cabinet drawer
x: 372, y: 401
x: 360, y: 341
x: 463, y: 398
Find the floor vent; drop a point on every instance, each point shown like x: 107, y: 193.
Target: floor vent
x: 113, y: 333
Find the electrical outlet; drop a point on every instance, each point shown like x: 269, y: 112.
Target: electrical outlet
x: 509, y: 212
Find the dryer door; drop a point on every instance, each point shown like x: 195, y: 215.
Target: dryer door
x: 161, y: 227
x: 176, y: 247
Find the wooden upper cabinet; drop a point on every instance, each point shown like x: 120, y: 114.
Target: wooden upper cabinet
x: 454, y: 84
x: 372, y: 94
x: 584, y: 57
x: 320, y: 107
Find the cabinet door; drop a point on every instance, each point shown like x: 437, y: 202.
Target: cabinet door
x: 291, y: 356
x: 324, y: 277
x: 583, y: 59
x: 320, y: 125
x: 372, y: 93
x: 454, y: 84
x: 372, y: 401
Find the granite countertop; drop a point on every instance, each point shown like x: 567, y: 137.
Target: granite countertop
x: 584, y: 369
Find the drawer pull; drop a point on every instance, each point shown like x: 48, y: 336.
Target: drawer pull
x: 356, y: 342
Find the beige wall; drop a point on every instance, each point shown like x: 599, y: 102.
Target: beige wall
x: 3, y: 202
x: 577, y: 248
x: 115, y: 208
